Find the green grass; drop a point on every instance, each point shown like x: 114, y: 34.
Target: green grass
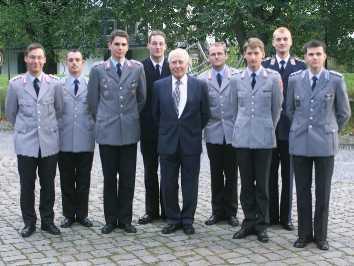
x: 349, y: 80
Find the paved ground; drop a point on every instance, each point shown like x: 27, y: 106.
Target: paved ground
x: 210, y: 245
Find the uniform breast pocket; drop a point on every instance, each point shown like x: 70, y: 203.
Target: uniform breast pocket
x: 265, y: 99
x: 328, y: 100
x: 242, y: 99
x: 27, y: 108
x: 48, y: 106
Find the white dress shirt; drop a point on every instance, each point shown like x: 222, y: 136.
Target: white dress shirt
x: 285, y: 59
x: 183, y: 93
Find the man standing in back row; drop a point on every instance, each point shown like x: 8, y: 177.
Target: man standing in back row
x: 156, y: 67
x: 116, y: 95
x: 285, y: 64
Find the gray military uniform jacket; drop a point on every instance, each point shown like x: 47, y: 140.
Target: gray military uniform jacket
x: 115, y: 102
x: 76, y: 127
x: 257, y: 110
x: 317, y: 116
x: 34, y: 118
x: 222, y: 107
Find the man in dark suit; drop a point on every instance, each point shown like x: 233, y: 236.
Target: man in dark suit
x: 181, y: 110
x: 156, y: 67
x: 285, y: 64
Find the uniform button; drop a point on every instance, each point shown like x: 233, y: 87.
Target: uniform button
x: 311, y: 101
x: 222, y: 104
x: 252, y: 96
x: 39, y: 127
x: 311, y: 110
x: 310, y: 117
x: 121, y: 106
x: 310, y: 126
x: 121, y: 97
x: 252, y: 116
x: 252, y: 102
x: 252, y: 110
x: 120, y: 88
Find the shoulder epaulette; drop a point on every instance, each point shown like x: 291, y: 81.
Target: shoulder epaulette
x: 299, y: 59
x: 135, y: 62
x: 295, y: 73
x: 99, y: 63
x: 16, y: 77
x: 335, y: 73
x: 266, y: 59
x: 53, y: 77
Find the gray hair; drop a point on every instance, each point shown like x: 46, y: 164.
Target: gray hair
x: 179, y: 52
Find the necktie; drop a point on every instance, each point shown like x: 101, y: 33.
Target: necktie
x: 119, y: 70
x: 314, y: 81
x: 219, y: 79
x: 157, y: 70
x: 36, y: 85
x: 177, y: 95
x: 253, y: 82
x: 282, y: 68
x: 76, y: 86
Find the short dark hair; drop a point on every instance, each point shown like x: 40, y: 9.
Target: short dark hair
x: 33, y: 46
x: 118, y: 33
x: 314, y: 44
x: 156, y: 33
x: 75, y: 50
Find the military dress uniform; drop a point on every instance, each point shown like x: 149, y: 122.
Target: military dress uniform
x: 77, y: 143
x: 34, y: 114
x: 256, y: 116
x: 218, y: 137
x: 280, y: 155
x: 115, y: 102
x: 316, y: 115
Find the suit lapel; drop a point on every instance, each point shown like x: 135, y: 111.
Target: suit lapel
x: 125, y: 71
x: 165, y: 69
x: 82, y: 85
x: 170, y: 100
x: 29, y: 87
x: 43, y: 87
x: 111, y: 70
x: 322, y: 82
x: 226, y: 79
x: 246, y: 81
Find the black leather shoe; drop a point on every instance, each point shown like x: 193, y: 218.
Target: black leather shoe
x: 28, y: 230
x: 322, y: 245
x: 213, y: 220
x: 67, y: 222
x: 302, y: 242
x: 170, y: 228
x: 51, y: 229
x: 108, y: 228
x: 188, y: 229
x: 128, y: 228
x: 242, y: 233
x: 263, y: 236
x: 147, y: 218
x: 85, y: 222
x: 288, y: 226
x: 233, y: 221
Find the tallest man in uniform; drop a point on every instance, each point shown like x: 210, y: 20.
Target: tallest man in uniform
x: 116, y: 95
x: 285, y: 64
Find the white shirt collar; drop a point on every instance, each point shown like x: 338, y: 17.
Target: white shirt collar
x: 72, y: 78
x: 317, y: 75
x: 32, y: 78
x: 155, y: 63
x: 286, y: 59
x: 258, y: 72
x: 183, y: 80
x: 115, y: 62
x: 215, y: 72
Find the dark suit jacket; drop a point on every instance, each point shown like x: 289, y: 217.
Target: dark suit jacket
x: 293, y: 65
x: 147, y: 124
x: 187, y: 130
